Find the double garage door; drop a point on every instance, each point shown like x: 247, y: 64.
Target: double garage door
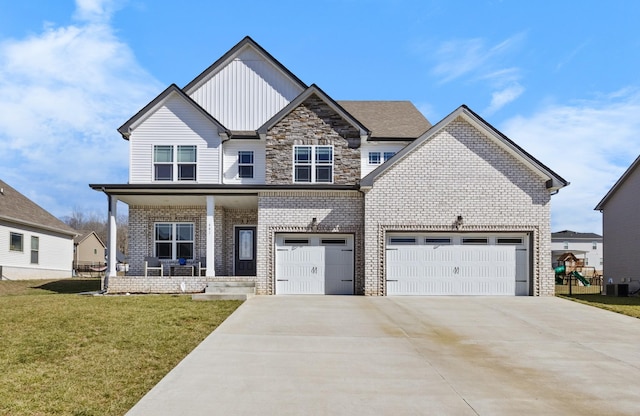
x: 457, y: 264
x: 314, y: 264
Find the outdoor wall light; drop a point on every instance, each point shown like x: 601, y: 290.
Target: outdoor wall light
x: 459, y: 222
x: 314, y: 224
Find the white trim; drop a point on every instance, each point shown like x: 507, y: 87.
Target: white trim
x: 210, y: 245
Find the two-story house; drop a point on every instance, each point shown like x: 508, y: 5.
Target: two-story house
x: 587, y: 248
x: 267, y: 179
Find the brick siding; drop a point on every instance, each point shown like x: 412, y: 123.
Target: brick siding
x: 287, y: 212
x: 459, y: 171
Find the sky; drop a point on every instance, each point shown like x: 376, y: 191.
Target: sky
x: 561, y: 81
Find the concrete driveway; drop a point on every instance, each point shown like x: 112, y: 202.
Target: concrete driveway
x: 327, y: 355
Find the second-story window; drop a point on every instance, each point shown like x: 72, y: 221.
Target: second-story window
x: 245, y: 164
x: 171, y: 162
x: 376, y: 158
x: 186, y: 163
x: 313, y: 164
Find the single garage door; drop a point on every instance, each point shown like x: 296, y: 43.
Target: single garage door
x: 457, y: 264
x: 314, y: 264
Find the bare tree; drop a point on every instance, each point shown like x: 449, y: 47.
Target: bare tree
x: 87, y: 222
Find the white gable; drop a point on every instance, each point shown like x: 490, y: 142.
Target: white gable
x: 246, y: 91
x: 172, y: 123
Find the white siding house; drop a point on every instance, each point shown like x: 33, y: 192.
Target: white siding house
x: 33, y: 243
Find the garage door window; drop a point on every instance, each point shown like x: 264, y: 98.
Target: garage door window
x: 295, y: 241
x: 509, y: 241
x: 475, y: 241
x: 402, y: 240
x: 333, y: 242
x: 437, y: 241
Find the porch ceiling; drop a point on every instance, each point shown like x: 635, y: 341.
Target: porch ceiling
x: 228, y: 201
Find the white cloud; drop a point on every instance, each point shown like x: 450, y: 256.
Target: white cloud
x: 590, y: 143
x: 63, y: 92
x: 477, y: 61
x: 503, y: 97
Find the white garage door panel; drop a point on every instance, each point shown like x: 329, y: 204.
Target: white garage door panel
x: 324, y: 265
x: 338, y: 270
x: 451, y: 270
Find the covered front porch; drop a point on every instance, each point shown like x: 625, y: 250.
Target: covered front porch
x: 194, y: 236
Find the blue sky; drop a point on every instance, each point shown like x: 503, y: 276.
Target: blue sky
x: 561, y: 80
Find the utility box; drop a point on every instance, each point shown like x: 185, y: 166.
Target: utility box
x: 619, y: 290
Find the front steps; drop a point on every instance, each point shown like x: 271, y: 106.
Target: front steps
x: 226, y: 291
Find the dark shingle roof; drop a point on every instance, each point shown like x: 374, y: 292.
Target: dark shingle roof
x: 388, y: 119
x: 574, y: 234
x: 15, y: 207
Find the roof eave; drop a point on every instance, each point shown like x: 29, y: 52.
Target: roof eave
x: 617, y: 185
x: 314, y: 89
x: 40, y: 226
x: 127, y: 128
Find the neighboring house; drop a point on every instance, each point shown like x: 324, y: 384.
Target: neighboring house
x: 33, y: 243
x: 621, y: 229
x: 587, y: 247
x: 269, y: 180
x: 88, y: 252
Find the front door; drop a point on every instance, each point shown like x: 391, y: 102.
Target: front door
x: 245, y: 251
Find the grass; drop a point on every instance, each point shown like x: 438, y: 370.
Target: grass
x: 65, y: 354
x: 624, y: 305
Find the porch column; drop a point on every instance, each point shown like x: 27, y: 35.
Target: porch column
x: 211, y: 206
x: 112, y: 248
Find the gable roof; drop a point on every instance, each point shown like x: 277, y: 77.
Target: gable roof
x: 616, y: 186
x: 125, y: 129
x: 86, y: 234
x: 554, y: 181
x: 230, y: 55
x: 573, y: 234
x: 17, y: 208
x: 388, y: 120
x: 313, y: 90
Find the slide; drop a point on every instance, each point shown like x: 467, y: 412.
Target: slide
x: 559, y: 274
x: 580, y: 278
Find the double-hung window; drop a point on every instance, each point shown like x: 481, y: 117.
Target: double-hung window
x: 174, y: 240
x: 171, y: 162
x: 313, y: 164
x: 35, y: 249
x: 245, y: 164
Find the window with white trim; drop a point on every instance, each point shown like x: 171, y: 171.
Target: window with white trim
x: 16, y: 242
x: 376, y: 158
x: 313, y: 164
x: 177, y: 162
x: 173, y: 240
x: 245, y: 164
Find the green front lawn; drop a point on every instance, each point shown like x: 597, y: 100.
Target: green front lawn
x: 624, y: 305
x: 67, y: 354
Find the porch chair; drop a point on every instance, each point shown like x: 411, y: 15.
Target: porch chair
x: 202, y: 265
x: 152, y: 263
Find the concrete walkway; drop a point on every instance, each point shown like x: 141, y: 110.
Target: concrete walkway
x: 327, y: 355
